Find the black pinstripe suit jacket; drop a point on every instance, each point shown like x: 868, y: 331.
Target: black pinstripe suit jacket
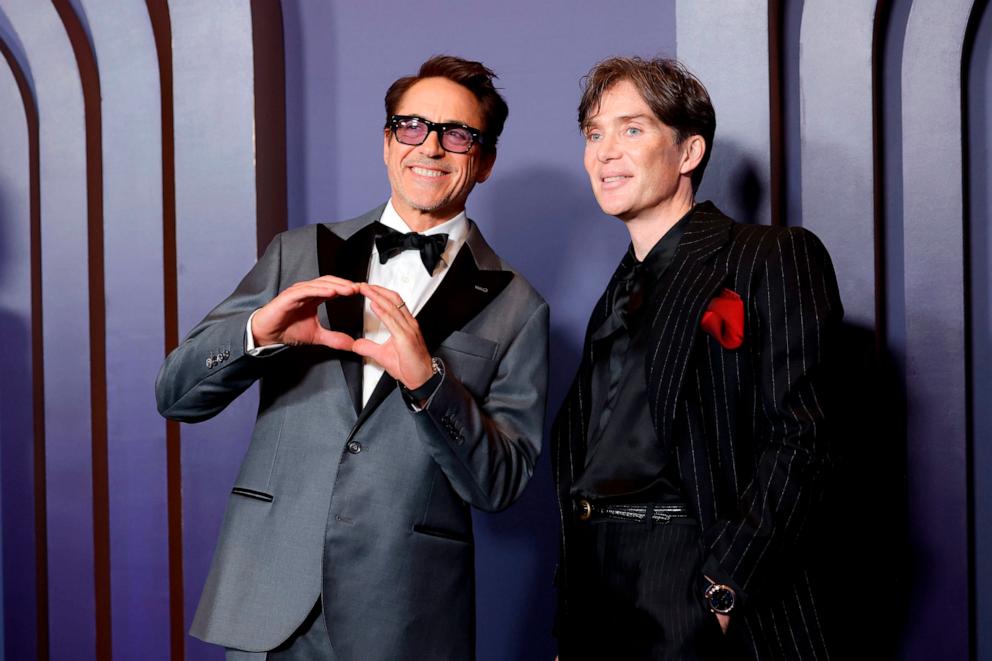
x: 748, y: 427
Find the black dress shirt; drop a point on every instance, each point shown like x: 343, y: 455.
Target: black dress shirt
x: 624, y: 460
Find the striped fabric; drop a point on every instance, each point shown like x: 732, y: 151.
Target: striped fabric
x: 748, y: 426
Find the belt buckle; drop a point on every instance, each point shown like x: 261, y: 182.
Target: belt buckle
x: 585, y: 510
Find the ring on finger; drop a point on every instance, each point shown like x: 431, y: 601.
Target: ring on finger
x: 401, y: 305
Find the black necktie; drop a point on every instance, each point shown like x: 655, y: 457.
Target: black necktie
x: 390, y: 243
x: 630, y: 293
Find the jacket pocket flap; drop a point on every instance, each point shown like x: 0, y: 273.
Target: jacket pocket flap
x: 471, y: 344
x: 251, y: 493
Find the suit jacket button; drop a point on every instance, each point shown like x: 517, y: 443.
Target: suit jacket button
x: 354, y: 447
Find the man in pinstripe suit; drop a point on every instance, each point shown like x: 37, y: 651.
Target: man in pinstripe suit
x: 691, y: 448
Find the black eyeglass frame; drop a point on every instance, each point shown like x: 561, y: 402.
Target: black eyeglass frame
x: 438, y: 127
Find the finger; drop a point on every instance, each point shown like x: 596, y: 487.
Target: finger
x: 397, y: 321
x: 391, y: 319
x: 334, y: 339
x: 389, y: 294
x: 369, y: 349
x: 327, y: 285
x: 384, y: 297
x: 389, y: 306
x: 309, y: 292
x: 335, y: 280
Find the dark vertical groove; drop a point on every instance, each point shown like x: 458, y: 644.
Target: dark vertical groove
x: 967, y: 51
x: 776, y: 110
x: 270, y: 120
x: 37, y: 357
x: 90, y: 79
x: 158, y: 14
x: 879, y: 30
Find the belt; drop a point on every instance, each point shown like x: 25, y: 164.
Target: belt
x: 588, y: 511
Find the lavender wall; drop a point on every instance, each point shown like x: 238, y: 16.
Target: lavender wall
x: 87, y: 471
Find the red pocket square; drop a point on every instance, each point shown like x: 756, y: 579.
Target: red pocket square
x: 724, y: 319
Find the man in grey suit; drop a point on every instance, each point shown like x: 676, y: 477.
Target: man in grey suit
x: 402, y: 369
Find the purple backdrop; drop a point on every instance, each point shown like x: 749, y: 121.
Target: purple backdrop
x: 536, y: 210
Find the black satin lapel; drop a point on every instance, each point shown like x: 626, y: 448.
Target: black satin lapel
x: 463, y: 293
x: 348, y: 259
x: 677, y: 306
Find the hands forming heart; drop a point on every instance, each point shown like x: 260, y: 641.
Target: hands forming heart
x: 291, y: 318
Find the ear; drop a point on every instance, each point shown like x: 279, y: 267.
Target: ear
x: 693, y: 149
x: 486, y: 163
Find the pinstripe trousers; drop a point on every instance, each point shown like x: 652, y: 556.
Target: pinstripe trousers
x: 637, y: 595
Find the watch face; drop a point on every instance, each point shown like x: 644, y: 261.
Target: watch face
x: 720, y: 598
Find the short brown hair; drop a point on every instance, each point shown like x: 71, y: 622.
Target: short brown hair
x: 675, y: 96
x: 474, y: 76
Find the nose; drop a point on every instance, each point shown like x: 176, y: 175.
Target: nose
x: 431, y: 146
x: 606, y: 149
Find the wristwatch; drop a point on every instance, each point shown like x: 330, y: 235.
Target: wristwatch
x: 427, y: 389
x: 720, y: 598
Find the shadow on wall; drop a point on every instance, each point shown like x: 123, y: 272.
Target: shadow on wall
x: 732, y: 182
x: 536, y: 216
x: 864, y: 558
x: 17, y: 482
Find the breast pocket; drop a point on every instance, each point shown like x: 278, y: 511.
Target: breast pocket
x: 471, y: 359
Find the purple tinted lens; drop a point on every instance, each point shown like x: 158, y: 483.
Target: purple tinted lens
x: 456, y: 140
x: 411, y: 132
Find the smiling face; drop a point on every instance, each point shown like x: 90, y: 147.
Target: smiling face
x: 637, y: 169
x: 430, y: 185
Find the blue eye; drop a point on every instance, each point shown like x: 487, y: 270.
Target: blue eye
x: 632, y: 131
x: 593, y: 136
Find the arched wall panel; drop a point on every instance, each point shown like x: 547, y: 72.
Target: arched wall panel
x: 132, y: 187
x: 64, y: 232
x: 935, y: 333
x: 215, y: 242
x: 726, y: 45
x: 838, y: 160
x: 17, y: 404
x: 979, y: 163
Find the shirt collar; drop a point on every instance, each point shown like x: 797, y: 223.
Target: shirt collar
x: 658, y: 258
x: 456, y: 228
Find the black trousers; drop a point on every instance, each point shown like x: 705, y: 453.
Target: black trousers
x: 634, y: 591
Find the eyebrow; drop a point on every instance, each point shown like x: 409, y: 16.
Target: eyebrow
x: 617, y: 120
x: 445, y: 121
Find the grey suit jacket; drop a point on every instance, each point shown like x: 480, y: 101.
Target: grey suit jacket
x: 366, y: 507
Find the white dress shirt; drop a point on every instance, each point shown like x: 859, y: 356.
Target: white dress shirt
x: 405, y: 274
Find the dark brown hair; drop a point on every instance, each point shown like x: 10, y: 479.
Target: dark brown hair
x: 474, y: 76
x: 675, y: 96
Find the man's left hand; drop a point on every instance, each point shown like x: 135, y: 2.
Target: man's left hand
x: 404, y: 355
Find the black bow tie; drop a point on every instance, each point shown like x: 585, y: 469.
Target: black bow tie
x: 390, y: 243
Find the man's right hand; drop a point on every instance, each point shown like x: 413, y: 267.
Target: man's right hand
x: 291, y: 317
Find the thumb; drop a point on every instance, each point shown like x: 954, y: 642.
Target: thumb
x: 367, y: 348
x: 334, y: 339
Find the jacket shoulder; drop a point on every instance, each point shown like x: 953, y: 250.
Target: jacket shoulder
x: 763, y: 238
x: 305, y: 235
